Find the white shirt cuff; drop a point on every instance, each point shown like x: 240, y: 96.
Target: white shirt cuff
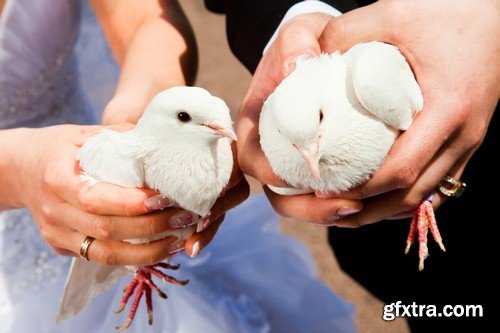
x: 304, y: 7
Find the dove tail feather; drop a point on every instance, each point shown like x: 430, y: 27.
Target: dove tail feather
x: 85, y: 281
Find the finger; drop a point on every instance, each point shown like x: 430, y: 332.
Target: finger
x: 199, y: 241
x: 228, y: 201
x: 308, y: 207
x: 297, y: 39
x: 410, y: 154
x: 438, y: 200
x: 364, y: 24
x: 88, y: 131
x: 294, y: 40
x: 251, y: 158
x: 101, y: 198
x: 108, y: 199
x: 112, y: 253
x: 401, y: 202
x: 120, y: 227
x: 236, y: 173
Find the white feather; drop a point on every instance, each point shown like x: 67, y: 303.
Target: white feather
x: 354, y: 140
x: 384, y: 83
x: 185, y: 162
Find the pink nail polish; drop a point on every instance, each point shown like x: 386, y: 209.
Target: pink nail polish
x: 326, y: 195
x: 204, y: 223
x: 182, y: 219
x: 345, y: 211
x: 158, y: 202
x: 176, y: 247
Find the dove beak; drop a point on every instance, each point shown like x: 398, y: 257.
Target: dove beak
x: 310, y: 153
x: 221, y: 130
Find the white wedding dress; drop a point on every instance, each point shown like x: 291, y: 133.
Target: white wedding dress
x: 55, y: 68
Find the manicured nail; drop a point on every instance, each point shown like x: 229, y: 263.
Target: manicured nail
x: 345, y: 211
x: 326, y: 195
x: 158, y: 202
x: 204, y: 223
x: 196, y: 249
x: 182, y: 219
x: 176, y: 247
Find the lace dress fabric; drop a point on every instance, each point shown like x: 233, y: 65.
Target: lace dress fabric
x: 42, y: 90
x: 55, y: 68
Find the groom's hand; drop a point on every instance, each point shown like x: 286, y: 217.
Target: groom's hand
x: 298, y: 37
x: 453, y: 47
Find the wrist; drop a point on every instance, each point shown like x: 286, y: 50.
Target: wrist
x: 123, y: 109
x: 13, y: 165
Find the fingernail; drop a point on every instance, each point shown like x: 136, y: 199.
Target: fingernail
x: 182, y: 219
x: 326, y: 195
x: 345, y: 211
x: 158, y: 202
x: 176, y: 247
x: 196, y: 249
x: 204, y: 223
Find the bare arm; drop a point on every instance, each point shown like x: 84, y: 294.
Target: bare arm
x: 155, y: 47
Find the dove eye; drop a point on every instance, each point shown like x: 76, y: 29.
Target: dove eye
x: 183, y: 116
x: 320, y: 115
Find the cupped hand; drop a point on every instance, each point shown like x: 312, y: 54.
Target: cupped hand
x: 66, y: 209
x: 454, y: 51
x: 298, y: 37
x: 129, y: 107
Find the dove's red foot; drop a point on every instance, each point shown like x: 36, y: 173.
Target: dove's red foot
x: 142, y: 283
x: 422, y: 221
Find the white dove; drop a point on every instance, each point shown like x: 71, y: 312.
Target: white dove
x: 181, y: 147
x: 329, y: 125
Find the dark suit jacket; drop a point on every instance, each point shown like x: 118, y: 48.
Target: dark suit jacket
x: 251, y: 23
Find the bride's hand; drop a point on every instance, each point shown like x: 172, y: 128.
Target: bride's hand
x: 46, y: 178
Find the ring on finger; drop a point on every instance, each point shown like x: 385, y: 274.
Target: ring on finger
x: 84, y: 248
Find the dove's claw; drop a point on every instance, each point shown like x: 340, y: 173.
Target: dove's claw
x: 127, y: 292
x: 411, y: 234
x: 423, y: 221
x: 149, y: 303
x: 125, y: 325
x: 433, y: 225
x: 165, y: 277
x: 153, y: 286
x: 144, y: 284
x: 168, y: 266
x: 133, y: 309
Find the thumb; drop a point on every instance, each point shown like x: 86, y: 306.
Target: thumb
x: 364, y: 24
x: 298, y: 38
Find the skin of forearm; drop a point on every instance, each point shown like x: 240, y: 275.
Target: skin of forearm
x: 11, y: 176
x: 160, y: 52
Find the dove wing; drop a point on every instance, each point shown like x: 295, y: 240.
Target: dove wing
x: 384, y: 83
x: 112, y: 157
x: 85, y: 281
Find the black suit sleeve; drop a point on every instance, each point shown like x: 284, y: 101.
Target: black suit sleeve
x: 251, y: 23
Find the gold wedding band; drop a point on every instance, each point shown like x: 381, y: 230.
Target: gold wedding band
x: 84, y: 248
x: 451, y: 187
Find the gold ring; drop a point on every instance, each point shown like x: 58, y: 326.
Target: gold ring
x: 451, y: 187
x: 84, y: 248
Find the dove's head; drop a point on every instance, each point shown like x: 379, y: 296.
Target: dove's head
x: 298, y: 118
x: 188, y: 113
